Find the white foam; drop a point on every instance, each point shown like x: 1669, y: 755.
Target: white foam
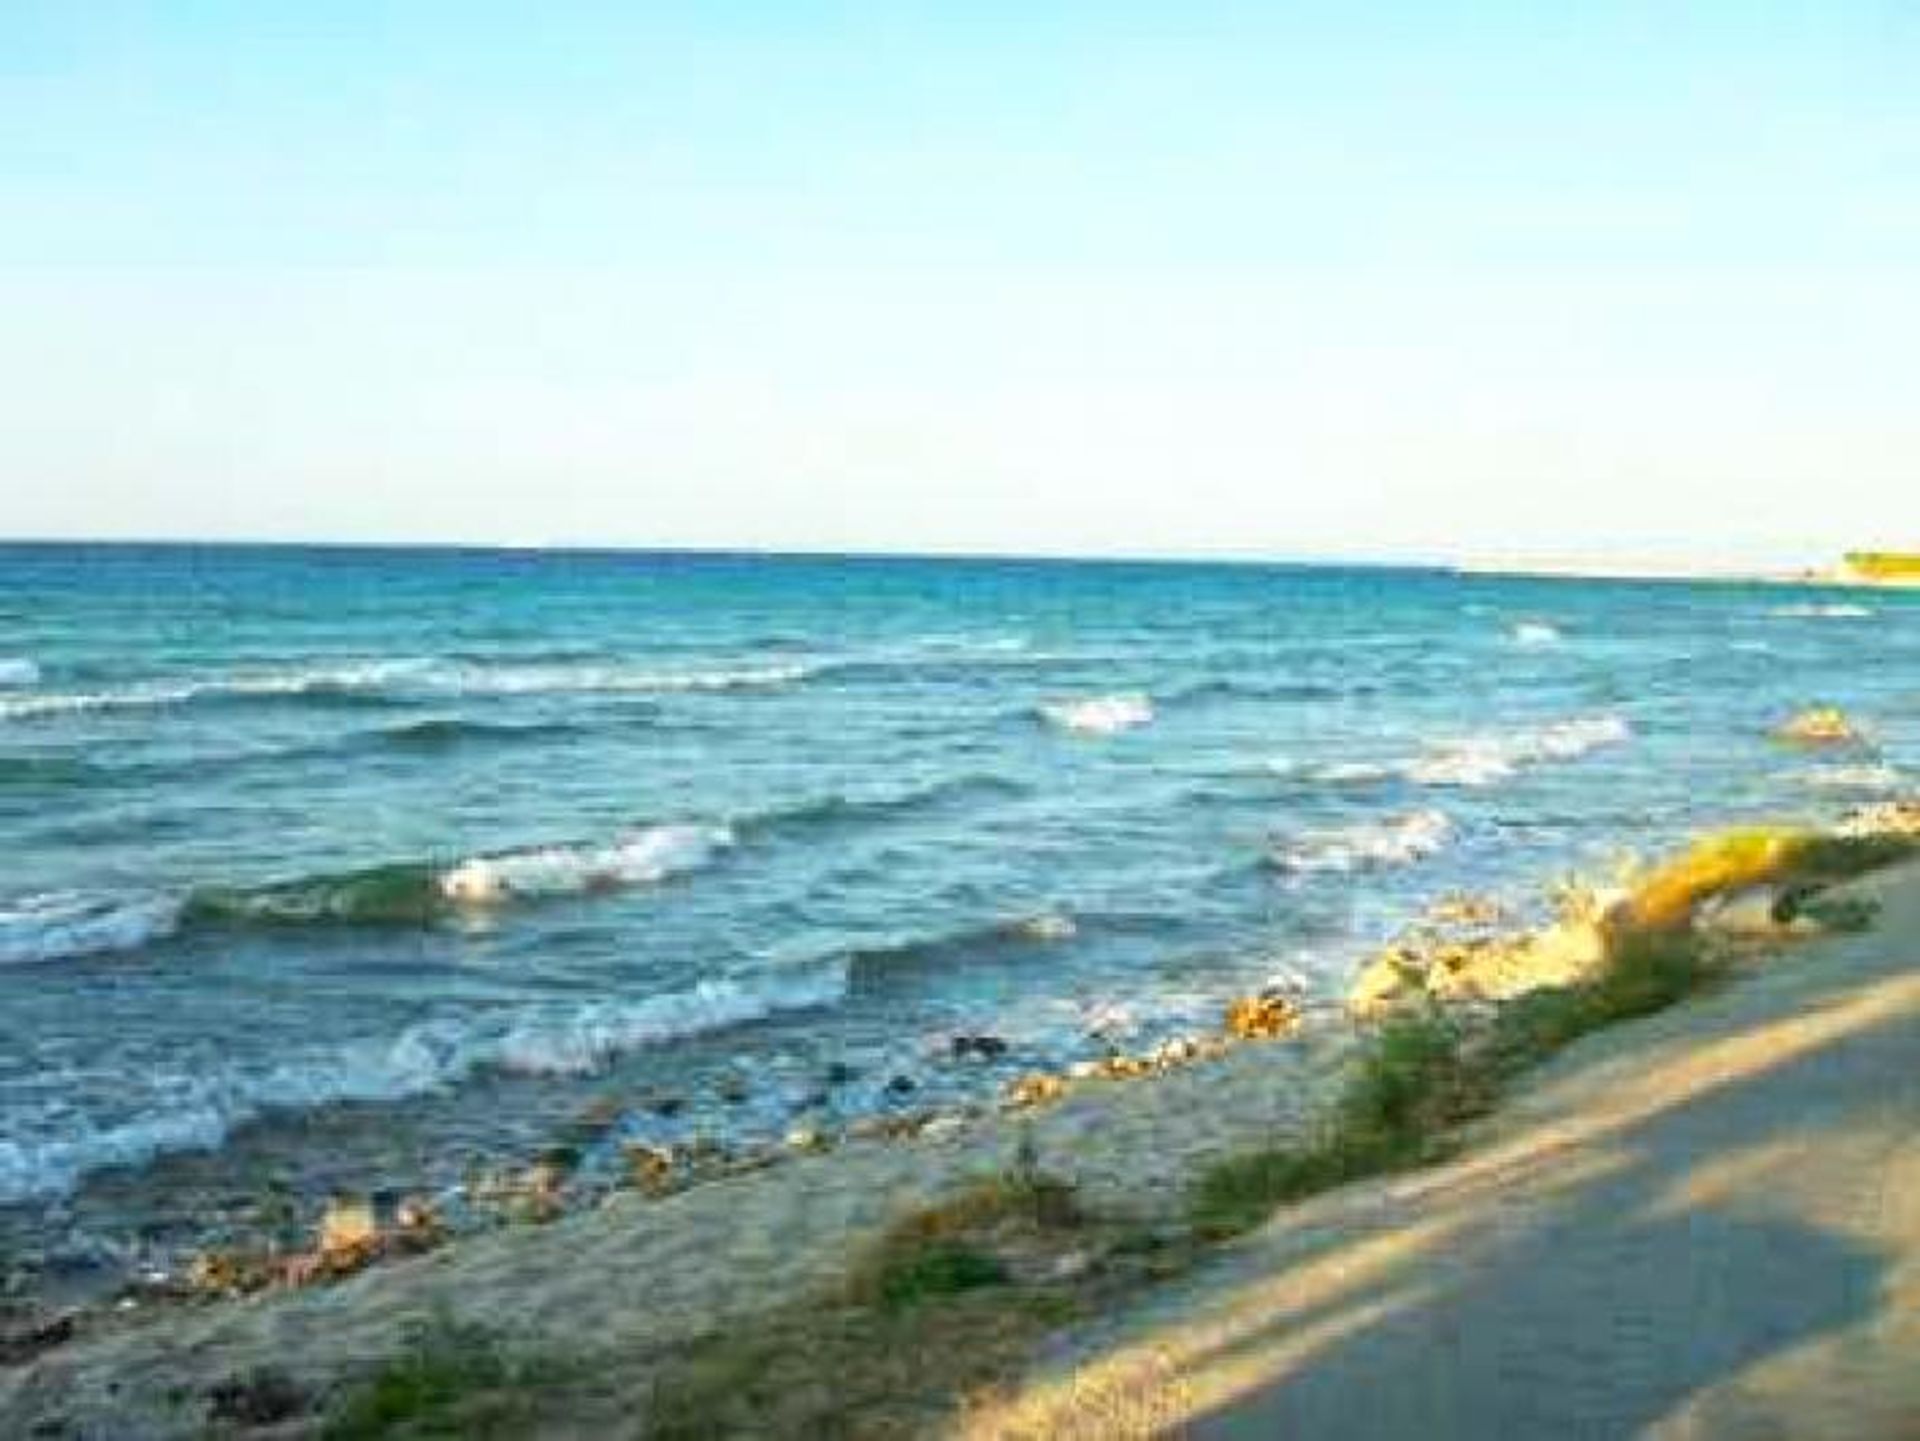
x: 586, y: 1039
x: 199, y: 1111
x: 1399, y: 841
x: 1534, y: 634
x: 405, y: 677
x: 1853, y: 778
x: 613, y: 679
x: 18, y: 671
x: 640, y: 859
x: 1488, y: 759
x: 1100, y: 715
x: 60, y: 925
x: 1824, y: 610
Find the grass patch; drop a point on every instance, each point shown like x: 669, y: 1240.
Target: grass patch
x: 955, y: 1245
x: 452, y: 1378
x: 1416, y: 1081
x: 1423, y: 1075
x: 1646, y: 972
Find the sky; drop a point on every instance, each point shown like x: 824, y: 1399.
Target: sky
x: 1598, y: 284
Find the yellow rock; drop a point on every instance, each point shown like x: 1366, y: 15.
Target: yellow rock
x: 1264, y: 1017
x: 1821, y: 726
x: 347, y: 1227
x: 1036, y: 1089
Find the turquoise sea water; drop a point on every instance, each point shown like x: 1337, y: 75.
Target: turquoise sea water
x: 369, y: 865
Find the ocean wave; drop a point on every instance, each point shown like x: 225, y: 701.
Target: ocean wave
x: 199, y: 1112
x: 1823, y: 610
x: 1853, y: 778
x: 1399, y: 841
x: 408, y: 893
x: 402, y: 680
x: 840, y: 808
x: 1485, y: 760
x: 1336, y: 773
x: 1534, y: 634
x: 640, y: 859
x: 18, y: 671
x: 443, y: 732
x: 1100, y: 715
x: 1470, y: 761
x: 895, y: 962
x: 55, y: 926
x: 589, y: 1037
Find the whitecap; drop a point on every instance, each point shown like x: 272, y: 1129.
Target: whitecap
x: 1824, y: 610
x: 62, y: 925
x: 585, y: 1039
x: 18, y: 671
x: 1853, y: 778
x: 1398, y: 841
x: 406, y: 677
x: 640, y: 859
x: 1485, y: 760
x: 1534, y: 634
x: 199, y: 1111
x: 1100, y: 715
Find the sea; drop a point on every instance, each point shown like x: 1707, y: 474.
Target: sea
x: 356, y: 869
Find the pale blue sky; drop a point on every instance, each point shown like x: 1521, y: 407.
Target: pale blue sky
x: 1442, y: 282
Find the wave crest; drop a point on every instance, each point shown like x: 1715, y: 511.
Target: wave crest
x: 640, y: 859
x: 1487, y: 759
x: 430, y: 1056
x: 1399, y: 841
x: 401, y: 680
x: 1100, y: 715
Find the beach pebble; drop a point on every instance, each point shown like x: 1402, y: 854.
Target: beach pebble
x: 1262, y: 1017
x: 942, y: 1128
x: 1038, y: 1088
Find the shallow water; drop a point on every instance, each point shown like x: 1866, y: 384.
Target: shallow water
x: 337, y: 867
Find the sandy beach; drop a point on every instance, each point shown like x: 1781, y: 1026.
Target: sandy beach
x: 1693, y: 1223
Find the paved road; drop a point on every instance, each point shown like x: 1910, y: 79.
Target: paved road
x: 1703, y: 1225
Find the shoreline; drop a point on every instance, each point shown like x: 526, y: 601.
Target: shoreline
x: 713, y: 1253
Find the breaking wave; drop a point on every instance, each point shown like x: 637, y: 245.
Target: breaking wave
x: 404, y: 680
x: 1535, y: 634
x: 1484, y: 760
x: 18, y: 671
x: 1100, y: 715
x: 200, y: 1112
x: 62, y: 926
x: 1396, y: 842
x: 1823, y: 610
x: 54, y: 926
x: 1471, y: 761
x: 1853, y: 778
x: 640, y: 859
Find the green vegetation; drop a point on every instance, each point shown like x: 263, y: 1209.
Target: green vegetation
x: 1414, y: 1083
x: 453, y: 1378
x: 1424, y: 1075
